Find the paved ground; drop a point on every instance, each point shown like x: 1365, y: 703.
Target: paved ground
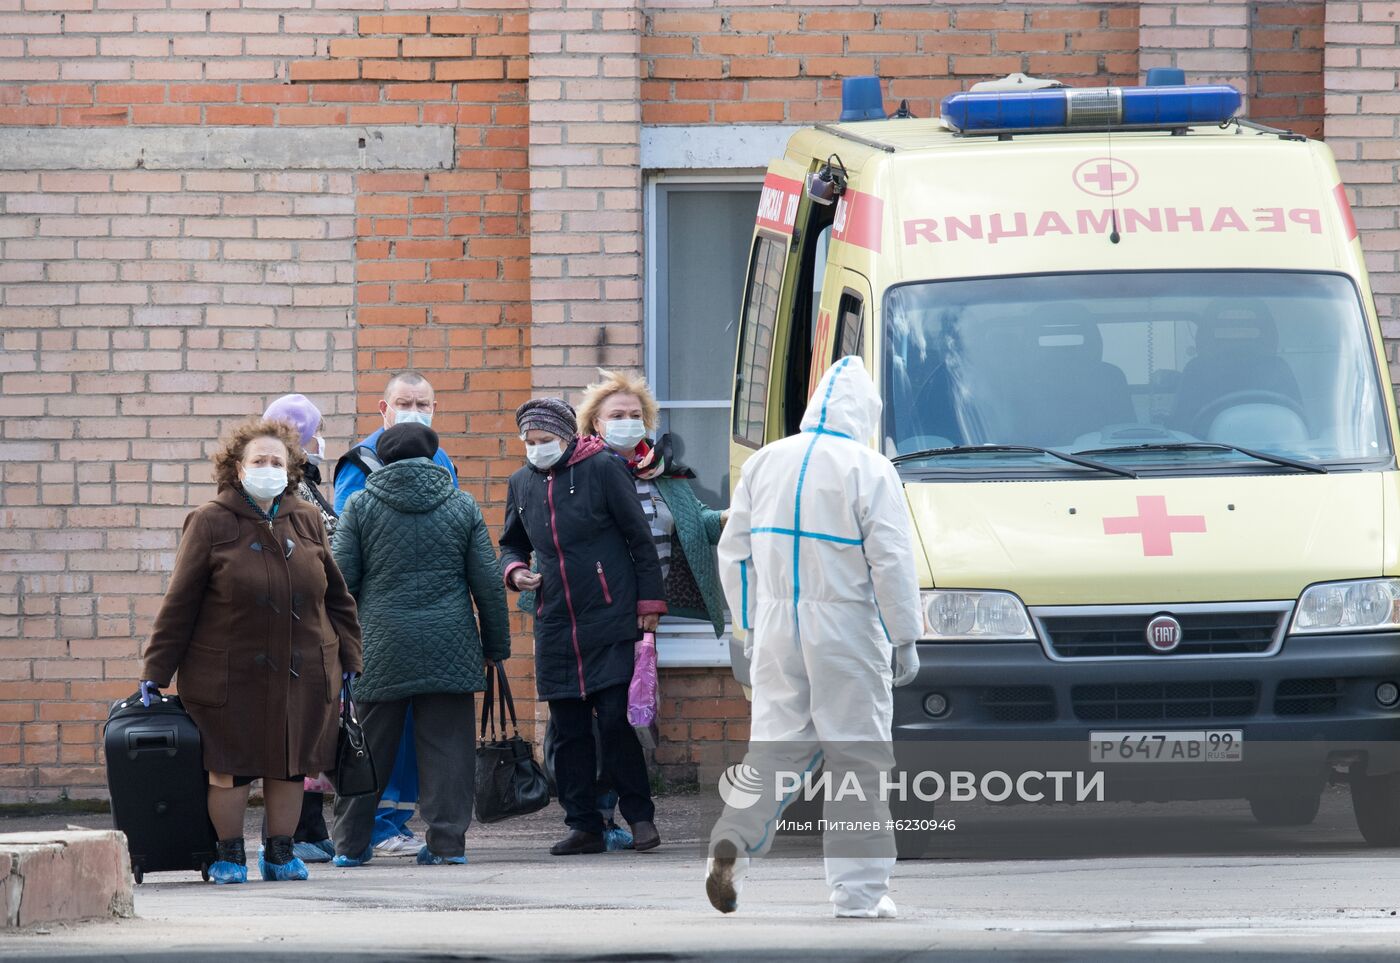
x: 1250, y: 893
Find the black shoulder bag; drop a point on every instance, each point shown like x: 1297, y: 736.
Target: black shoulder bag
x: 509, y: 782
x: 354, y: 769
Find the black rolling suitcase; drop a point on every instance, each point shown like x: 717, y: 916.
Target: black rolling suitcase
x: 159, y: 789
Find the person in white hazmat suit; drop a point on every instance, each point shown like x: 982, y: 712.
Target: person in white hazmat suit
x: 817, y: 562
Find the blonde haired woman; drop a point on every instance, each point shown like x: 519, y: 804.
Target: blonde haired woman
x: 621, y: 410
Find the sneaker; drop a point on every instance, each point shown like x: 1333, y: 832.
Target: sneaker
x: 724, y: 876
x: 230, y: 864
x: 396, y: 846
x: 344, y: 861
x: 425, y: 858
x: 615, y: 838
x: 883, y: 910
x: 314, y: 852
x: 278, y: 863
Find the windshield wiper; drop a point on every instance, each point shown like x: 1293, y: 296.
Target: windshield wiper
x: 974, y: 449
x: 1211, y: 446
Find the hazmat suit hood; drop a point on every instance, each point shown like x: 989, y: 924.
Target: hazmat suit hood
x: 845, y: 402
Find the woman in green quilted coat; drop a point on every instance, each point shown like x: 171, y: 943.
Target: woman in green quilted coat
x: 417, y: 556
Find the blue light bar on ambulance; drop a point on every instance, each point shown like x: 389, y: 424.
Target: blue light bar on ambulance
x: 1099, y: 108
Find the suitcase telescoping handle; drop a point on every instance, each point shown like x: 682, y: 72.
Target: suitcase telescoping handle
x: 151, y: 740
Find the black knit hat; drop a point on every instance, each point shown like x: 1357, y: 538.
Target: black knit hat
x: 409, y: 440
x: 554, y: 415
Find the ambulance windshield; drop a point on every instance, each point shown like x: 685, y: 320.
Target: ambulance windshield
x: 1130, y: 366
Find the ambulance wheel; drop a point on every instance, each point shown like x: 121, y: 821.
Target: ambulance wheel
x: 204, y: 871
x: 1376, y: 802
x: 137, y: 874
x: 1286, y: 810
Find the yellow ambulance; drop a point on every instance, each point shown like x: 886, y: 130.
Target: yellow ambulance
x: 1134, y: 382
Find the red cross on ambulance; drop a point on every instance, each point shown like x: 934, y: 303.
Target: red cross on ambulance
x: 1155, y: 525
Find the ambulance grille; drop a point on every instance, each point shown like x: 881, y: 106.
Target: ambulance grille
x: 1118, y: 635
x: 1307, y: 697
x: 1147, y: 701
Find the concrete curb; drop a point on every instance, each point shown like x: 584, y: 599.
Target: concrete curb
x: 46, y: 877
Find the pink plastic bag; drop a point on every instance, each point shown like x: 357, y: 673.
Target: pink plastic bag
x: 641, y: 694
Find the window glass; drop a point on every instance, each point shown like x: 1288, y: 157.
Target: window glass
x: 1131, y: 367
x: 756, y: 338
x: 849, y: 333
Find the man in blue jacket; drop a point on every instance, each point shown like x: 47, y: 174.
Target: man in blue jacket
x: 408, y: 398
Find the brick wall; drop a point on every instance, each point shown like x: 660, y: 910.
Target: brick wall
x: 143, y: 309
x: 783, y: 63
x: 1362, y: 77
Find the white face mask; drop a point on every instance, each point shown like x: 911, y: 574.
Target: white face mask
x: 319, y: 455
x: 624, y: 433
x: 410, y: 417
x: 265, y: 483
x: 543, y: 456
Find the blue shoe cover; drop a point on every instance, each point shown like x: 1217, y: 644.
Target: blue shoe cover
x: 344, y: 861
x: 426, y: 858
x: 281, y: 872
x: 312, y: 852
x: 617, y: 838
x: 224, y: 872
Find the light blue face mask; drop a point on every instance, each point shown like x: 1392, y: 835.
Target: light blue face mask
x: 623, y: 434
x: 424, y: 418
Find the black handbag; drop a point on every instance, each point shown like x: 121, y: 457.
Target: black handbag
x: 509, y: 782
x: 354, y: 768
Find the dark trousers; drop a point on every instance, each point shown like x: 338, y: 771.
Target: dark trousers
x: 311, y: 827
x: 444, y: 736
x: 576, y: 760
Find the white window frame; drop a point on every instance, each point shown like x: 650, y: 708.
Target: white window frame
x: 681, y: 642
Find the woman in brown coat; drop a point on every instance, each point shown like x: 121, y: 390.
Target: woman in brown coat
x: 260, y: 627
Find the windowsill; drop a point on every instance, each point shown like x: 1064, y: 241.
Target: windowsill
x: 688, y: 643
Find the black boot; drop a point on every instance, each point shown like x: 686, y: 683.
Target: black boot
x: 231, y: 851
x: 279, y: 850
x: 278, y: 862
x: 230, y: 862
x: 577, y: 843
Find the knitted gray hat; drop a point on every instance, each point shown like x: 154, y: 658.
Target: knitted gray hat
x: 554, y: 415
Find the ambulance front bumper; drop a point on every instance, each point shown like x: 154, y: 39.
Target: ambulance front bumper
x: 1316, y: 703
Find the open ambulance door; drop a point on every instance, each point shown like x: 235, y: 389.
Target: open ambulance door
x: 844, y: 323
x: 763, y: 315
x: 781, y: 312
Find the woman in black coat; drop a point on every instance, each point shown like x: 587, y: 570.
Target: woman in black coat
x: 598, y: 586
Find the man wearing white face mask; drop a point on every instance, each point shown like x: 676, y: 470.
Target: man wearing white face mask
x: 598, y: 588
x: 408, y: 398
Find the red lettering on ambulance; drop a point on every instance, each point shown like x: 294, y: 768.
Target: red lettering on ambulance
x: 922, y: 228
x: 1310, y: 216
x: 1089, y: 224
x: 1269, y: 219
x: 1051, y: 223
x: 956, y: 225
x: 1192, y: 217
x: 1228, y: 219
x: 1149, y: 220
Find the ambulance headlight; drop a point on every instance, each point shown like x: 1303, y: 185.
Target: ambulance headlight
x: 1369, y: 604
x: 951, y: 616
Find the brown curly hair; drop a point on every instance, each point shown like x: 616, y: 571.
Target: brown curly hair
x: 235, y: 443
